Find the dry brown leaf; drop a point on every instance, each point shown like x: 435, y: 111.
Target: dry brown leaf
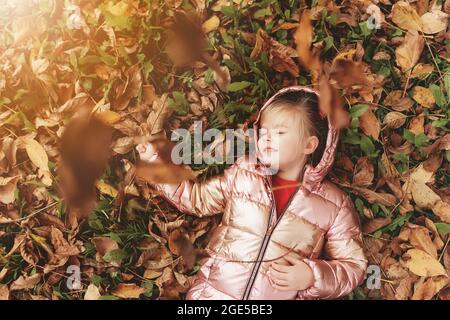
x: 25, y: 282
x: 422, y: 264
x: 39, y: 158
x: 7, y: 187
x: 416, y: 125
x: 376, y: 197
x: 420, y: 238
x: 423, y: 96
x: 303, y: 39
x: 128, y: 90
x: 4, y: 292
x: 397, y: 101
x: 108, y: 117
x: 427, y: 289
x: 369, y: 124
x: 164, y: 172
x: 180, y: 245
x: 422, y: 70
x: 408, y: 53
x: 92, y: 292
x: 375, y: 224
x: 211, y: 24
x: 364, y: 172
x: 85, y: 151
x: 128, y: 291
x: 434, y: 21
x: 405, y: 16
x: 280, y: 56
x: 394, y: 120
x: 348, y: 73
x: 159, y: 115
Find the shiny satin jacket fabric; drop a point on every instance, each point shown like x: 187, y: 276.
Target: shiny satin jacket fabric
x: 319, y: 225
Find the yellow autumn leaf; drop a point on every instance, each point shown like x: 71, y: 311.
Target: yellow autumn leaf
x: 408, y: 53
x: 405, y: 16
x: 422, y: 194
x: 369, y: 124
x: 394, y: 120
x: 423, y: 96
x: 106, y: 188
x: 36, y: 153
x: 434, y: 21
x: 416, y: 125
x: 422, y: 70
x: 108, y: 117
x: 7, y: 187
x: 128, y: 291
x: 422, y: 264
x: 92, y: 292
x: 211, y: 24
x: 442, y: 210
x: 119, y: 9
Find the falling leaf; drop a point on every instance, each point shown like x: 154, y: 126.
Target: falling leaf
x: 280, y: 56
x: 303, y: 38
x: 85, y: 151
x: 348, y: 73
x: 164, y: 172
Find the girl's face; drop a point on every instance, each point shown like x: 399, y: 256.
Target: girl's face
x: 280, y: 143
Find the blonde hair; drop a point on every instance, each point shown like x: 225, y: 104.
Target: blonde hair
x: 303, y: 110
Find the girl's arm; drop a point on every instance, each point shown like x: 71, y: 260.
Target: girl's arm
x: 204, y: 198
x: 346, y: 264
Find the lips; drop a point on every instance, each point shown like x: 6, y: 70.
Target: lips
x: 269, y: 149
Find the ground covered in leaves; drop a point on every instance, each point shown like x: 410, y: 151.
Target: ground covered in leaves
x: 389, y: 60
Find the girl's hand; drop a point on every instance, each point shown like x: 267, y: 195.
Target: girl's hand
x: 147, y: 152
x: 295, y: 277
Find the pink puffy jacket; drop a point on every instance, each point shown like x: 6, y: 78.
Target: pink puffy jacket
x: 319, y: 225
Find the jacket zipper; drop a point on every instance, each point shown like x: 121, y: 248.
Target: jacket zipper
x: 265, y: 243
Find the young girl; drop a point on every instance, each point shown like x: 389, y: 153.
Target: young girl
x: 291, y: 235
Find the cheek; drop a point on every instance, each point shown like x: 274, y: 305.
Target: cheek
x: 261, y: 143
x: 288, y: 147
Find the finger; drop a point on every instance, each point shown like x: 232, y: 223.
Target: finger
x: 279, y: 275
x: 279, y: 267
x: 292, y: 259
x: 279, y: 287
x: 279, y: 278
x: 141, y: 148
